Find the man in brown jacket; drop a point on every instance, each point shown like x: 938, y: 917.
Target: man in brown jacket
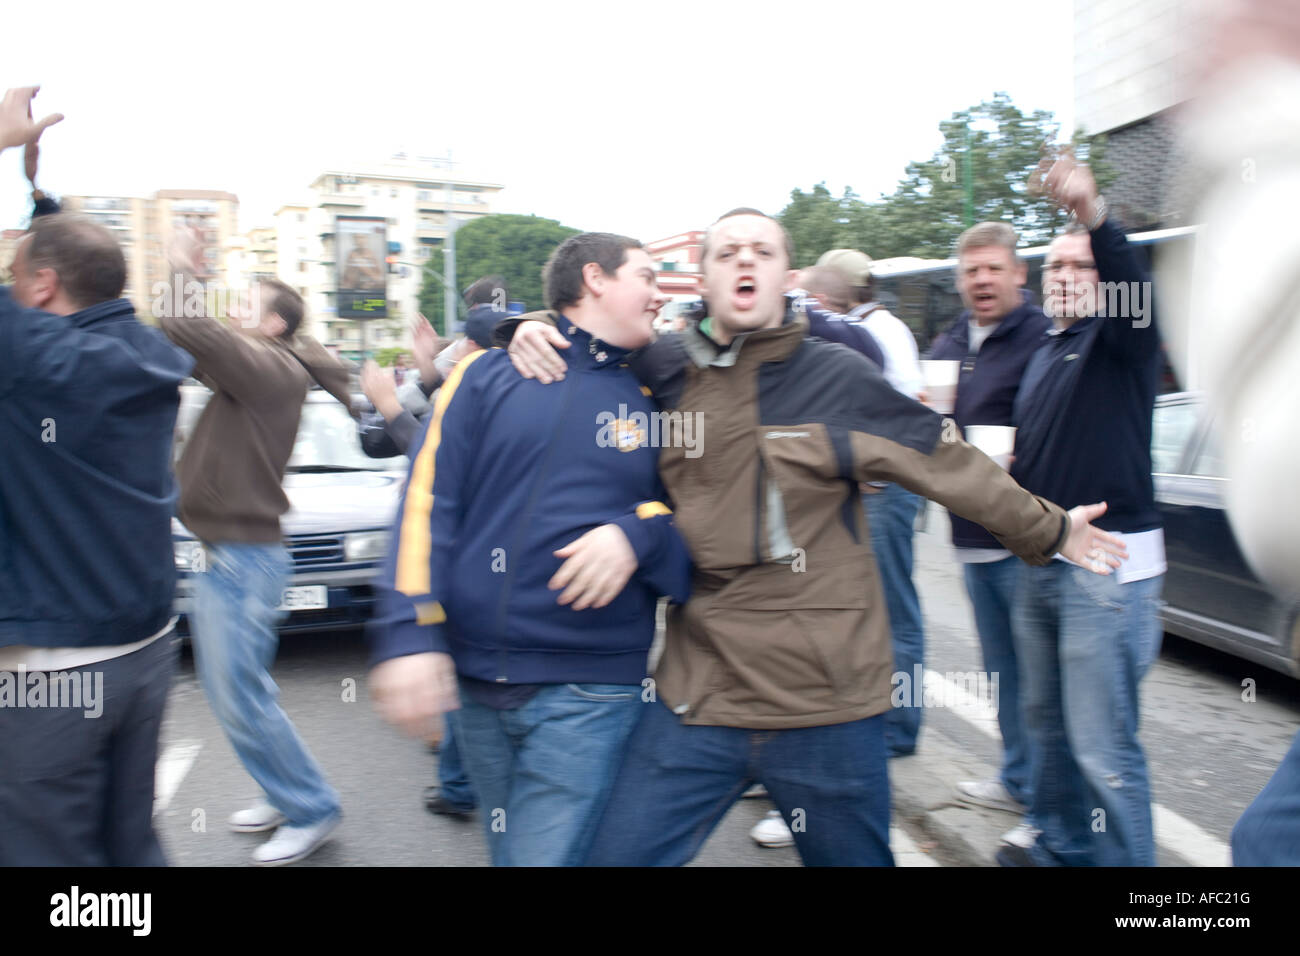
x: 259, y: 369
x: 778, y: 669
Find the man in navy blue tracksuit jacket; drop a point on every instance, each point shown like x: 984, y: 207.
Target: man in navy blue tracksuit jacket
x: 88, y: 400
x: 993, y: 340
x: 531, y: 546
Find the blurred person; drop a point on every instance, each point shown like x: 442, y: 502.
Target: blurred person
x: 993, y: 339
x: 891, y: 509
x: 517, y: 493
x: 259, y: 366
x: 828, y: 287
x: 778, y: 669
x: 88, y: 400
x: 398, y: 435
x: 1084, y: 643
x: 1236, y: 334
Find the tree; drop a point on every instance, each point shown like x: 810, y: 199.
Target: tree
x: 515, y: 247
x: 996, y: 142
x: 817, y: 222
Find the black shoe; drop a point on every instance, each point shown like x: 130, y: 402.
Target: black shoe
x: 1015, y: 856
x: 435, y: 802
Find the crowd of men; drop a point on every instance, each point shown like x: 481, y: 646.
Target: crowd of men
x: 772, y: 504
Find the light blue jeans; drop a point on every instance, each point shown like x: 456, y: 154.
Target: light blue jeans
x: 991, y: 586
x: 1268, y: 833
x: 543, y: 771
x: 891, y: 517
x: 1085, y: 642
x: 235, y: 641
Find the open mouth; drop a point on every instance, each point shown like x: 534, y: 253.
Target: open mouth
x: 745, y: 293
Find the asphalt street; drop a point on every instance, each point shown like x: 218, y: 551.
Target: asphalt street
x: 1210, y: 750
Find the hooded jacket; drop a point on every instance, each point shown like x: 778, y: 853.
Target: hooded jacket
x: 87, y: 410
x: 989, y: 381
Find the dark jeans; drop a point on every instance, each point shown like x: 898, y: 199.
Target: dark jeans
x: 77, y: 789
x: 678, y: 781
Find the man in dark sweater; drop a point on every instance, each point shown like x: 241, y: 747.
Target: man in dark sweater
x: 1085, y: 642
x: 993, y: 340
x: 259, y: 368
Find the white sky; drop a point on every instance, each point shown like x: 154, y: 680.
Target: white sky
x: 641, y: 119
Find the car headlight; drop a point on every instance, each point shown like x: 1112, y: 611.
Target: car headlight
x: 189, y: 555
x: 366, y: 546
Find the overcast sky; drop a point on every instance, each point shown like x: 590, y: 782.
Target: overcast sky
x: 641, y: 119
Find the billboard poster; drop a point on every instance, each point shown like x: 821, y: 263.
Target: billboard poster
x: 360, y: 251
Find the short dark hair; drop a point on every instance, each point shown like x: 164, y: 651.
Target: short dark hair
x: 85, y: 256
x: 484, y: 291
x: 750, y: 211
x: 562, y: 280
x: 284, y: 301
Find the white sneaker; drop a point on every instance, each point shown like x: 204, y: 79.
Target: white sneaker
x: 988, y: 793
x: 256, y: 819
x: 291, y: 844
x: 1023, y: 836
x: 771, y: 831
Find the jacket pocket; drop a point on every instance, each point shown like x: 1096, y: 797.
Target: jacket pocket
x: 800, y: 642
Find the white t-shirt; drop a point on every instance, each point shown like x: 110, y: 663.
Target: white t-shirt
x: 902, y: 368
x: 978, y: 333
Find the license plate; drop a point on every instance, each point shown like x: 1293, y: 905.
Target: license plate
x: 309, y: 598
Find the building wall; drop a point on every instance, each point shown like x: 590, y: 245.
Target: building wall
x: 1132, y: 63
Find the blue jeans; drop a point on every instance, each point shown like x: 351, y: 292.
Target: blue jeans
x: 235, y: 641
x: 1085, y: 642
x: 679, y: 780
x: 452, y: 778
x: 992, y: 589
x: 1268, y: 833
x: 543, y: 770
x: 891, y: 516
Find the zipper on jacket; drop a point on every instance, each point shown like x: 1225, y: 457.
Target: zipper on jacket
x: 522, y: 526
x: 759, y: 498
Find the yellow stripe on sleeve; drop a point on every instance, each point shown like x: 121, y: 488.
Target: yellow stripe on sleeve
x: 650, y: 509
x: 416, y: 535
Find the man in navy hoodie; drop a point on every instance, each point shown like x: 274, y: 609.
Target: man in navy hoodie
x: 993, y: 340
x: 88, y: 400
x: 520, y: 491
x: 1084, y: 641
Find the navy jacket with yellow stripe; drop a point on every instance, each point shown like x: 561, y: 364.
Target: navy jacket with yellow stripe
x: 508, y: 472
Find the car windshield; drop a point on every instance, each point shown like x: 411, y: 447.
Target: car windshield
x: 327, y: 437
x: 327, y: 441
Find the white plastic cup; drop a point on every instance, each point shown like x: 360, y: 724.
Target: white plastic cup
x: 996, y: 441
x: 940, y: 381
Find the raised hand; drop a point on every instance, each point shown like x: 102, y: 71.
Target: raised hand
x: 16, y: 124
